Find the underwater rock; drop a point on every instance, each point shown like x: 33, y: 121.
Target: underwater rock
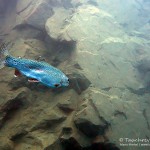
x: 102, y: 110
x: 62, y: 51
x: 73, y: 144
x: 27, y: 48
x: 38, y: 141
x: 55, y: 25
x: 79, y: 82
x: 26, y: 31
x: 102, y: 58
x: 92, y: 38
x: 102, y: 146
x: 77, y: 3
x: 70, y: 132
x: 66, y: 132
x: 145, y: 29
x: 14, y: 102
x: 23, y: 5
x: 69, y: 27
x: 48, y: 122
x: 89, y: 122
x: 143, y: 68
x: 18, y: 135
x: 6, y: 144
x: 67, y: 101
x: 34, y: 13
x: 70, y: 143
x: 71, y: 139
x: 17, y: 83
x: 54, y: 146
x: 77, y: 66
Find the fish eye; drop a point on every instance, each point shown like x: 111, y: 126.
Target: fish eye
x: 56, y: 85
x: 68, y: 80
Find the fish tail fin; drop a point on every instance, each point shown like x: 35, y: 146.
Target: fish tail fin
x: 3, y: 50
x: 3, y: 54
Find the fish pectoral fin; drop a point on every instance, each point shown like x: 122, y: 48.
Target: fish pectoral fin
x: 33, y: 80
x: 17, y: 73
x: 57, y: 85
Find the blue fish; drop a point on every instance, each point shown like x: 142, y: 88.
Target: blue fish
x: 36, y: 71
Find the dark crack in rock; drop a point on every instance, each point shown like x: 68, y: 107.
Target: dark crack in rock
x: 120, y: 113
x: 70, y: 143
x: 146, y: 118
x: 18, y: 136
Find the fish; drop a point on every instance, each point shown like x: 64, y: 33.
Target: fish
x: 35, y: 71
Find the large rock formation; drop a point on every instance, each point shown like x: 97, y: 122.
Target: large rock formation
x: 34, y: 13
x: 106, y: 60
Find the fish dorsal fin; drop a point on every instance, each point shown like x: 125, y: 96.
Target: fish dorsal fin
x: 32, y: 80
x: 17, y: 73
x: 40, y: 58
x: 44, y: 63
